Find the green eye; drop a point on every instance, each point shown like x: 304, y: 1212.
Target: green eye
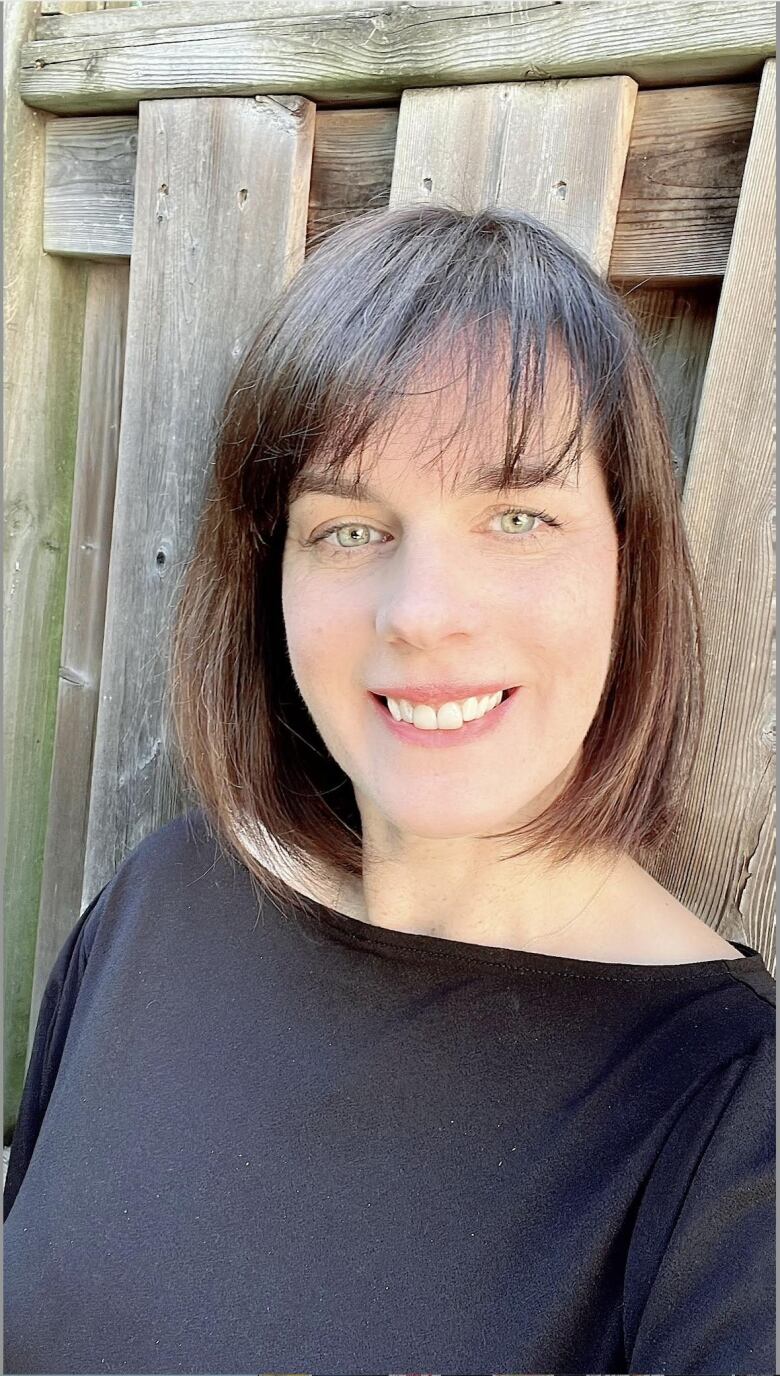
x: 351, y: 532
x: 512, y: 515
x: 357, y: 534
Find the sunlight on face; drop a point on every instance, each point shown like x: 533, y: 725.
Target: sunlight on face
x: 430, y: 582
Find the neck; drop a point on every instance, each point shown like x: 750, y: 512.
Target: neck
x: 441, y: 889
x: 456, y: 890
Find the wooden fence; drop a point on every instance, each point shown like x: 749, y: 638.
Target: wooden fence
x: 167, y: 165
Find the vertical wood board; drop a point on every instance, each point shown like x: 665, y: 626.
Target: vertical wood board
x: 222, y: 190
x: 556, y: 149
x: 722, y: 862
x: 44, y: 312
x: 92, y: 512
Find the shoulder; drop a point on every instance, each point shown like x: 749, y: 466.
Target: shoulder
x: 699, y: 941
x: 173, y: 853
x: 180, y: 839
x: 660, y: 929
x: 175, y: 880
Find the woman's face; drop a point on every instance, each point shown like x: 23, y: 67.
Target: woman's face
x: 430, y: 584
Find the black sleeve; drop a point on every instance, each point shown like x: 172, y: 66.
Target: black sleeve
x: 54, y: 1017
x: 700, y: 1281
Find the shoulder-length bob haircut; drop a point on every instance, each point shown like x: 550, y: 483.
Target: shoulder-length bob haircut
x: 373, y: 303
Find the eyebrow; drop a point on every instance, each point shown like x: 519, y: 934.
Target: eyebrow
x: 489, y: 479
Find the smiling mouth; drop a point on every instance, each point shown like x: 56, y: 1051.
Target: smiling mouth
x: 429, y: 719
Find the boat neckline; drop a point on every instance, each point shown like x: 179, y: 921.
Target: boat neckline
x: 425, y: 946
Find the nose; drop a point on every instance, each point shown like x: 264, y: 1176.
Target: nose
x: 428, y: 594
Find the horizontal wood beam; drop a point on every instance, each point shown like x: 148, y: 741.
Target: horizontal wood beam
x: 679, y: 197
x: 366, y: 53
x: 124, y: 16
x: 682, y: 184
x: 88, y: 198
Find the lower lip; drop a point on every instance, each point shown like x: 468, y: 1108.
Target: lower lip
x: 438, y: 739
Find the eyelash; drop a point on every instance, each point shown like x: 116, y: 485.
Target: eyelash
x: 505, y: 511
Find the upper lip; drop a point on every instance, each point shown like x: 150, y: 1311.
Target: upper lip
x: 439, y: 692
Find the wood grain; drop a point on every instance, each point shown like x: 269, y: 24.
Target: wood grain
x: 44, y: 316
x: 676, y: 211
x: 90, y: 187
x: 78, y: 684
x: 677, y: 324
x: 556, y: 149
x: 352, y: 167
x: 214, y: 238
x: 342, y: 54
x: 682, y: 183
x: 723, y: 863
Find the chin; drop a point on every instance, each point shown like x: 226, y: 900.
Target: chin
x: 456, y: 821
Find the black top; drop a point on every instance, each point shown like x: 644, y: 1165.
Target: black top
x: 254, y: 1140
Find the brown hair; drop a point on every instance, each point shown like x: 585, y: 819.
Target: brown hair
x: 365, y: 313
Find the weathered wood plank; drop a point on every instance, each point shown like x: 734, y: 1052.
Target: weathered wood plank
x: 174, y: 13
x: 60, y: 7
x: 44, y: 314
x: 723, y: 860
x: 215, y: 237
x: 352, y: 166
x: 92, y: 514
x: 676, y: 325
x: 462, y: 147
x: 682, y: 183
x: 90, y: 183
x: 677, y: 202
x: 366, y: 54
x: 77, y: 7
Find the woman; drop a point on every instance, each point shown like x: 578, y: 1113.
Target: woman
x: 391, y: 1054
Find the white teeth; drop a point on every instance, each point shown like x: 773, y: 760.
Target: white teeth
x: 470, y: 709
x: 449, y: 717
x: 427, y: 717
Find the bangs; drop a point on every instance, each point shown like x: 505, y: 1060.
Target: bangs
x: 398, y: 306
x: 533, y: 452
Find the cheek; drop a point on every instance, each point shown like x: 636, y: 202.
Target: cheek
x: 302, y: 631
x: 568, y: 617
x: 319, y: 645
